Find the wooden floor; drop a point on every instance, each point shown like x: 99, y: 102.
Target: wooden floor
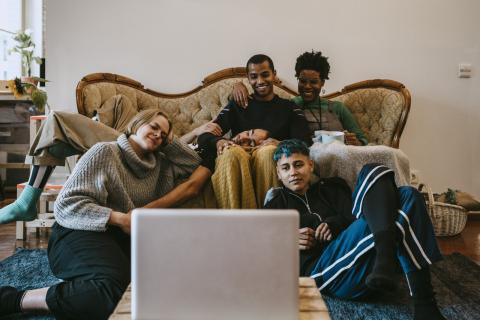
x: 467, y: 243
x: 8, y: 244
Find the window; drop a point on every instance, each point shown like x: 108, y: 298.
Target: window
x: 10, y: 22
x: 18, y: 15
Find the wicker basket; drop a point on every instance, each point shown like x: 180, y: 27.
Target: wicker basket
x: 447, y: 219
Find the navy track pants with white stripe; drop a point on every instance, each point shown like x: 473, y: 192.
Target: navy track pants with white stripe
x: 342, y: 268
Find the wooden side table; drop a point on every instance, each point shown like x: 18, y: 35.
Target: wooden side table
x: 311, y: 304
x: 35, y: 123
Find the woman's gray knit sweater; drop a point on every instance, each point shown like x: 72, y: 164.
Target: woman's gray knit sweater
x: 111, y: 176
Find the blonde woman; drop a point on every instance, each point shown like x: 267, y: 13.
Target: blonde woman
x: 90, y: 243
x: 65, y: 134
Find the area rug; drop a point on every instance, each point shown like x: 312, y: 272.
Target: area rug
x: 456, y: 280
x: 27, y: 269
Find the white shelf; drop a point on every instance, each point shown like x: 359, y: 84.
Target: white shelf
x: 11, y: 97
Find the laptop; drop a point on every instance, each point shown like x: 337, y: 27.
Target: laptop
x: 214, y: 264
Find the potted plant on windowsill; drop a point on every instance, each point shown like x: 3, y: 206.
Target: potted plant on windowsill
x: 38, y: 96
x: 25, y: 47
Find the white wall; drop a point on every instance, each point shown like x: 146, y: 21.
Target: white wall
x: 171, y: 45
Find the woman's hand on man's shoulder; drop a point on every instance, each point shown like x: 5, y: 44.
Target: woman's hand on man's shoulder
x: 240, y: 94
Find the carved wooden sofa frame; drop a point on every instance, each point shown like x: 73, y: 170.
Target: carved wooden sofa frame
x: 380, y: 106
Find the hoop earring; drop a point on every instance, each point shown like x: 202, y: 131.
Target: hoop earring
x: 323, y: 90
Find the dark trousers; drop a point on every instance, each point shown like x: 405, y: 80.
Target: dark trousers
x: 347, y: 260
x: 95, y: 267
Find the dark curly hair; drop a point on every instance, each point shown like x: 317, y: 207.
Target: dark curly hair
x: 259, y: 58
x: 288, y: 147
x: 313, y: 61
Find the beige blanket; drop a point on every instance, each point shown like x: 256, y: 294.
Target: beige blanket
x: 337, y: 159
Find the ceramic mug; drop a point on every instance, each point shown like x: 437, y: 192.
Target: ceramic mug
x: 326, y: 137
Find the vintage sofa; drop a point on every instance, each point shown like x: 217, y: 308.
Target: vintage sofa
x: 380, y: 106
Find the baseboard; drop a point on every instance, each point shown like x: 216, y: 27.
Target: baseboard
x: 474, y: 215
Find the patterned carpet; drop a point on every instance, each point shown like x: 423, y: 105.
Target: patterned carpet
x: 456, y: 280
x: 27, y: 269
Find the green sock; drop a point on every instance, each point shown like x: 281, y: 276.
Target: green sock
x: 62, y: 150
x: 24, y: 208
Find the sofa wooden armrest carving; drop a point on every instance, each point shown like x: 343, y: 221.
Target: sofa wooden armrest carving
x: 381, y: 107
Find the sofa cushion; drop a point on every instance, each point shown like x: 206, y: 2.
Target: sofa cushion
x: 120, y: 104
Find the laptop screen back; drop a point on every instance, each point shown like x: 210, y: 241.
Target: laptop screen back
x: 214, y: 264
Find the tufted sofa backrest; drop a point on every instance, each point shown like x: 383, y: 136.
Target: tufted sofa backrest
x: 186, y: 111
x: 380, y: 106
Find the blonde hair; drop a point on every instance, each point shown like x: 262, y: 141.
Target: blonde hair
x: 144, y: 117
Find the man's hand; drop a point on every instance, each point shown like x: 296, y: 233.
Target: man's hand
x: 121, y: 220
x: 351, y: 139
x: 210, y: 127
x: 323, y: 233
x: 306, y: 238
x: 240, y: 94
x: 223, y: 144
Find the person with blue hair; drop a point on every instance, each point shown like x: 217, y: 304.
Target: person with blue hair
x: 353, y: 244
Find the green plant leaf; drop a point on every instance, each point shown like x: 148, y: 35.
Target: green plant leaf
x: 25, y: 47
x: 451, y: 196
x: 39, y: 99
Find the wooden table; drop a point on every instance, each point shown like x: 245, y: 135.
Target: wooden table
x: 311, y: 304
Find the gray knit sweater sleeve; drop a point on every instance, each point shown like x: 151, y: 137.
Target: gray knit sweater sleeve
x: 184, y: 160
x: 82, y: 202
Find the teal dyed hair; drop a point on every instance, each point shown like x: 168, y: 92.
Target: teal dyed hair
x: 288, y: 147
